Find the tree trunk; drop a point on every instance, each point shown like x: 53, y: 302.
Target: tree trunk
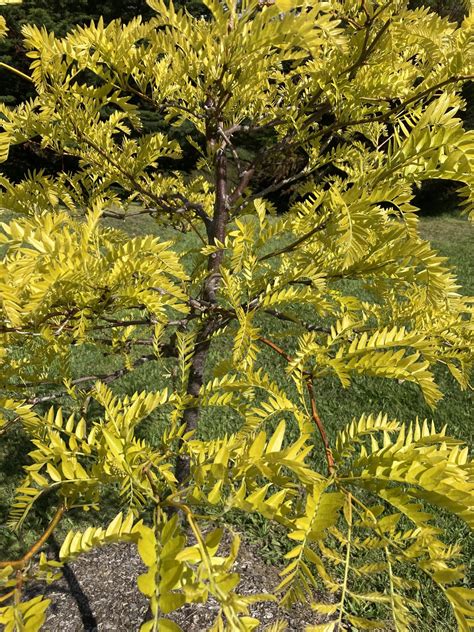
x: 211, y: 285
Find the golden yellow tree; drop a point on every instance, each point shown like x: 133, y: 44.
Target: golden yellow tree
x: 351, y: 103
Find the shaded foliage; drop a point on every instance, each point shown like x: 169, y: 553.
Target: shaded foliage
x: 59, y: 16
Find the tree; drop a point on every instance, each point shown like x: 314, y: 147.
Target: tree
x: 364, y: 97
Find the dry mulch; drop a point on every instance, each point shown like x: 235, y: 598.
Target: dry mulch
x: 98, y: 593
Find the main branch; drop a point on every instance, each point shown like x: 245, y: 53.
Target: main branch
x: 216, y: 232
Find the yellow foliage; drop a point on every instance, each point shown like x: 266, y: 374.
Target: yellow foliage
x: 360, y: 102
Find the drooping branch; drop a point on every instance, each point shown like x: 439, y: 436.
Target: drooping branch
x: 21, y: 563
x: 107, y: 378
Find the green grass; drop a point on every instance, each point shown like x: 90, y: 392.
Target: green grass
x: 452, y: 237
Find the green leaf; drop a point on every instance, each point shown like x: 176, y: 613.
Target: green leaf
x: 170, y: 601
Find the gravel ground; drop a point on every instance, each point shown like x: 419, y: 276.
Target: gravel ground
x: 98, y: 593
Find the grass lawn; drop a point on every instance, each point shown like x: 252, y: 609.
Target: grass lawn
x: 453, y: 238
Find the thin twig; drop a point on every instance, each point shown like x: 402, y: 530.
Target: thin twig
x: 276, y: 348
x: 294, y: 244
x: 302, y: 323
x: 126, y: 215
x: 112, y: 322
x: 161, y: 201
x: 320, y: 426
x: 229, y: 144
x: 314, y: 411
x: 386, y: 115
x: 245, y: 177
x: 271, y: 188
x: 239, y: 128
x: 8, y: 424
x: 366, y: 48
x: 94, y: 378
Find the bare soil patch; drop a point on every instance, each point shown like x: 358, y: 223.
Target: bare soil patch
x: 98, y: 593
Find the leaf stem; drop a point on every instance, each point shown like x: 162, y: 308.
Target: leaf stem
x: 348, y: 558
x: 16, y: 71
x: 276, y: 348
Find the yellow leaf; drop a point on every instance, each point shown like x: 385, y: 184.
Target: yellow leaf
x: 165, y: 625
x: 146, y: 582
x: 214, y: 495
x: 274, y: 445
x: 286, y: 5
x: 228, y: 582
x: 147, y: 545
x: 115, y: 444
x: 53, y: 472
x: 68, y: 469
x: 114, y: 526
x: 4, y: 145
